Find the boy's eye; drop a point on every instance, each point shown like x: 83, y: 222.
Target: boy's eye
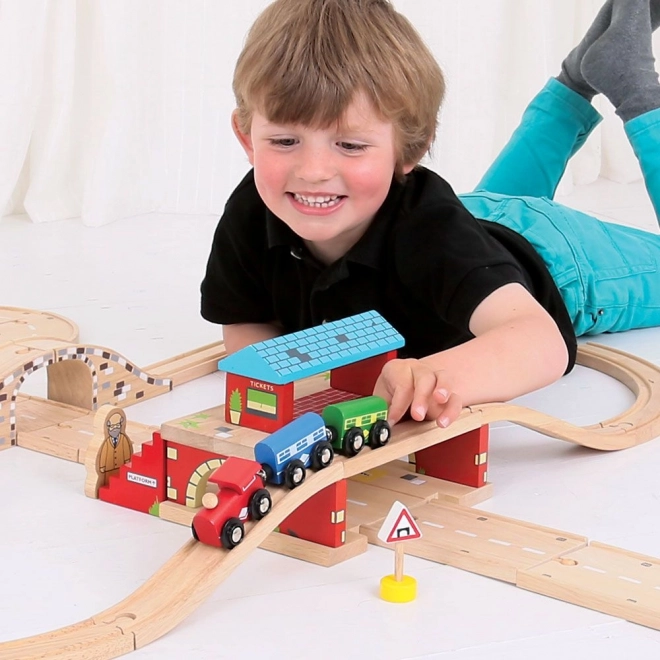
x: 352, y: 146
x: 282, y: 142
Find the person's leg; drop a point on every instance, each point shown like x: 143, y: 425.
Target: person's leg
x: 553, y: 127
x: 621, y: 269
x: 620, y: 64
x: 570, y: 74
x: 560, y: 118
x: 607, y: 274
x: 620, y: 275
x: 644, y: 135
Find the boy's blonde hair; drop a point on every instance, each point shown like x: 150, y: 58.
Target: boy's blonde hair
x: 304, y: 61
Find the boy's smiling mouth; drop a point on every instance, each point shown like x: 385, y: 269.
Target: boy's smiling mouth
x: 317, y: 201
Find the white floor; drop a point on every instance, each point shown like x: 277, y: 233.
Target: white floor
x: 133, y: 286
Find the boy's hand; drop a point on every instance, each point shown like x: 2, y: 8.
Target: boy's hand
x: 412, y: 384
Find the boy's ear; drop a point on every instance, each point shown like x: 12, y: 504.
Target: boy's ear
x: 244, y: 138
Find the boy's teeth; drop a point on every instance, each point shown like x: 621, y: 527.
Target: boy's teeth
x: 318, y: 201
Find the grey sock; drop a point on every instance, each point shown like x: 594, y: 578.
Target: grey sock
x: 571, y: 75
x: 620, y: 63
x: 655, y: 14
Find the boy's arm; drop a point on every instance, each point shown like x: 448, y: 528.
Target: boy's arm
x: 240, y: 335
x: 517, y: 348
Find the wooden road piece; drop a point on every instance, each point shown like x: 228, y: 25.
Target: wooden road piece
x: 367, y: 504
x: 81, y: 375
x: 602, y: 578
x: 34, y: 413
x: 400, y: 477
x: 396, y: 477
x: 68, y: 438
x: 481, y: 542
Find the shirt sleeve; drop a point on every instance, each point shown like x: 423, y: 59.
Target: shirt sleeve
x: 235, y: 288
x: 452, y: 263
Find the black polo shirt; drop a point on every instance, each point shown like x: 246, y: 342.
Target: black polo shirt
x: 425, y: 263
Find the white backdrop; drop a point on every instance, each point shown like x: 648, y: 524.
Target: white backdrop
x: 114, y: 108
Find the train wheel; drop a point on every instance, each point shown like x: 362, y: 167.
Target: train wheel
x: 332, y: 436
x: 194, y: 532
x: 294, y: 473
x: 232, y: 533
x: 353, y: 441
x: 380, y: 434
x: 268, y: 471
x: 322, y: 455
x: 260, y: 504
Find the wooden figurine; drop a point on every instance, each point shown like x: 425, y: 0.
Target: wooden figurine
x: 140, y: 484
x: 108, y: 449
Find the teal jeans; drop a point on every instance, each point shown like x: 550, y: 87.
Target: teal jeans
x: 607, y: 274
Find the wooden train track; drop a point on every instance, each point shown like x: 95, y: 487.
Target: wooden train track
x: 636, y: 425
x: 190, y: 576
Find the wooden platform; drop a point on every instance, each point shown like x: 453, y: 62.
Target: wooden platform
x: 603, y: 578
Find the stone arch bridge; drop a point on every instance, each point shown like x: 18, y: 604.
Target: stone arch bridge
x: 82, y: 375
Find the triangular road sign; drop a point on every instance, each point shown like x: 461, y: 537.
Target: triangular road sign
x: 399, y: 525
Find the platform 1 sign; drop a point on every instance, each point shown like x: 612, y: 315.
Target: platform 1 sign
x: 399, y: 525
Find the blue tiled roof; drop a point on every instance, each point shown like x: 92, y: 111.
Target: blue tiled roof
x: 308, y: 352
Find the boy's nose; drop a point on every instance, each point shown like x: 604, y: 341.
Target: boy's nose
x: 315, y: 165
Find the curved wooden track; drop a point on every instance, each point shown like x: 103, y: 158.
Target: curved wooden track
x: 19, y: 323
x: 180, y: 585
x: 638, y: 424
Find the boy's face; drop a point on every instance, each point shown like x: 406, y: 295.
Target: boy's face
x: 325, y: 184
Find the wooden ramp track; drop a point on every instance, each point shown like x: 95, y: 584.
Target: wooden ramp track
x: 177, y: 588
x: 81, y: 375
x: 86, y: 376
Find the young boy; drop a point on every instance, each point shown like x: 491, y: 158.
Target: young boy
x: 337, y: 101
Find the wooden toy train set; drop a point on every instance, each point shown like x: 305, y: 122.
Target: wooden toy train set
x: 286, y: 452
